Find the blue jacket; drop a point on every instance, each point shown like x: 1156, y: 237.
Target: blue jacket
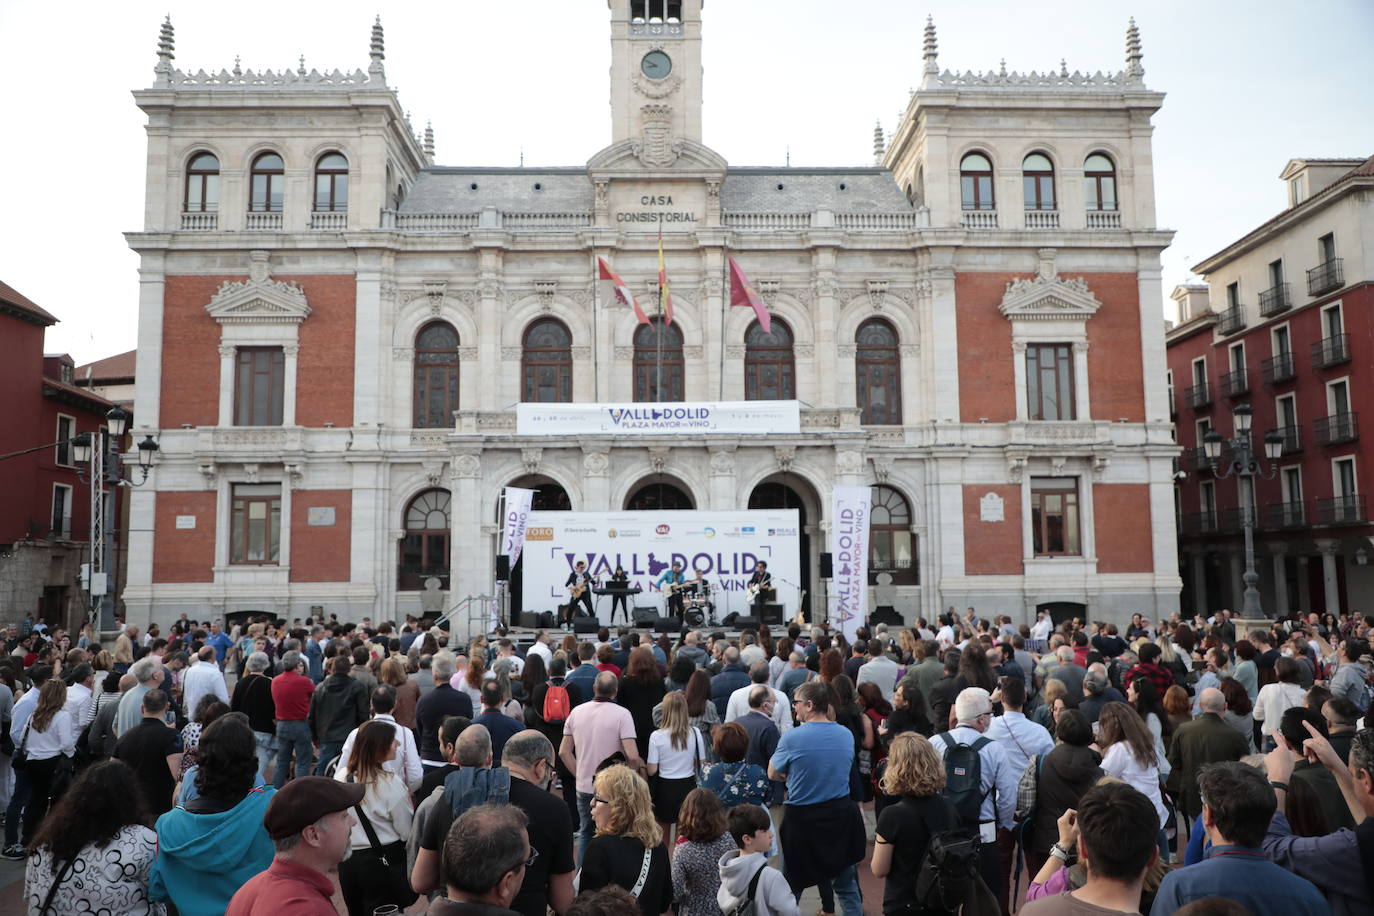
x: 314, y: 658
x: 202, y: 859
x: 1245, y: 876
x: 730, y: 679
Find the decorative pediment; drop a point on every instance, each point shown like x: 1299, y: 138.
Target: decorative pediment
x: 259, y: 299
x: 1048, y: 297
x: 632, y: 158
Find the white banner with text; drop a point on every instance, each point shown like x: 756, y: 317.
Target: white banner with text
x: 850, y: 507
x: 676, y: 418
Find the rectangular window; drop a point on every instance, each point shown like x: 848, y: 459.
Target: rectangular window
x: 1200, y: 371
x: 1331, y: 321
x: 1208, y: 495
x: 1276, y: 273
x: 1232, y: 295
x: 1169, y: 382
x: 1049, y: 382
x: 1054, y: 516
x: 1237, y: 357
x: 1291, y: 482
x: 1344, y: 477
x: 61, y: 511
x: 1282, y: 343
x: 66, y: 428
x: 1326, y: 248
x: 255, y: 524
x: 1286, y: 409
x: 259, y: 382
x: 1338, y: 398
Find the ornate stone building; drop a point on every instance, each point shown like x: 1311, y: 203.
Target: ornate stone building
x: 334, y: 331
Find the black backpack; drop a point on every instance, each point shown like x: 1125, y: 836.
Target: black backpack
x: 964, y: 779
x: 948, y: 870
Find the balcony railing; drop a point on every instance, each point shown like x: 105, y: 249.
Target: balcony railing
x: 1285, y: 515
x: 1274, y: 300
x: 1278, y: 369
x: 1198, y: 395
x: 1200, y: 522
x: 199, y: 222
x: 1330, y: 351
x: 1337, y: 428
x: 1325, y: 277
x: 1340, y: 510
x: 979, y: 219
x: 766, y: 221
x: 329, y: 219
x: 1231, y: 320
x: 259, y: 221
x: 410, y: 577
x: 1292, y: 439
x: 1234, y: 384
x: 1042, y: 219
x: 1233, y: 520
x: 1104, y: 219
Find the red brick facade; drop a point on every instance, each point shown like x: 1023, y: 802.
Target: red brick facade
x: 992, y: 548
x: 1124, y: 535
x: 188, y: 554
x: 320, y: 553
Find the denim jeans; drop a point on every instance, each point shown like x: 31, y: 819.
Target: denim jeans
x: 18, y: 802
x: 845, y: 887
x: 328, y: 751
x: 294, y: 736
x: 584, y: 834
x: 266, y: 749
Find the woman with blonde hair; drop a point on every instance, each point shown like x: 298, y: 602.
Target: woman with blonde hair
x: 1055, y: 689
x: 627, y: 839
x: 915, y: 774
x: 675, y: 754
x: 393, y: 672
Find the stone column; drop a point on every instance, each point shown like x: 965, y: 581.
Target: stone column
x: 226, y: 385
x: 596, y: 481
x: 723, y: 482
x: 1021, y: 384
x: 468, y: 563
x: 288, y: 402
x: 1329, y: 548
x: 1278, y: 555
x: 1236, y: 560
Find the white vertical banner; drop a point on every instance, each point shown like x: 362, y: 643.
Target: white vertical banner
x: 849, y: 550
x: 518, y: 502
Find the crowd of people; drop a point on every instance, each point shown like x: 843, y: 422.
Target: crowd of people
x: 973, y: 766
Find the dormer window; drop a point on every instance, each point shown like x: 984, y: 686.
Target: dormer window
x: 1297, y: 189
x: 202, y: 184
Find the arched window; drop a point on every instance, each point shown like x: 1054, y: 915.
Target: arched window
x: 424, y: 548
x: 1099, y: 180
x: 1037, y: 178
x: 546, y: 362
x: 658, y: 495
x: 268, y: 184
x: 331, y: 183
x: 892, y: 546
x: 436, y: 375
x: 202, y: 184
x: 878, y: 373
x: 770, y: 371
x: 975, y: 182
x: 658, y: 362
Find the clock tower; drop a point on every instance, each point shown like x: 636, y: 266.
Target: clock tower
x: 656, y: 72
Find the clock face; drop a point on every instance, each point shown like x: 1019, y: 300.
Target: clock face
x: 656, y: 65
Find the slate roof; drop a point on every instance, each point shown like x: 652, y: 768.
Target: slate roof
x: 746, y: 189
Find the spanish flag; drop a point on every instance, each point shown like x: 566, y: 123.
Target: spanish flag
x: 665, y: 296
x: 614, y: 286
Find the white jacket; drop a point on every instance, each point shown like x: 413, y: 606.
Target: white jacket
x: 772, y: 896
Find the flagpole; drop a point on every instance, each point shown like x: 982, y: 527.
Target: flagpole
x: 596, y: 307
x: 658, y: 348
x: 724, y: 306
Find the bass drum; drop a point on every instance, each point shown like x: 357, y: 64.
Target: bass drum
x: 694, y: 617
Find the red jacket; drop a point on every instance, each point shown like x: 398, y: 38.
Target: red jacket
x: 291, y: 695
x: 285, y: 889
x: 1161, y: 678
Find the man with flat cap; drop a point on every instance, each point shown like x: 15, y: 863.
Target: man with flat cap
x: 309, y: 821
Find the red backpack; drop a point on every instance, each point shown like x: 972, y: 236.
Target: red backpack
x: 556, y: 704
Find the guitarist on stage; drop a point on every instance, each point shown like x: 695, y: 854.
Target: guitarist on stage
x: 761, y: 589
x: 674, y: 580
x: 620, y: 579
x: 579, y: 587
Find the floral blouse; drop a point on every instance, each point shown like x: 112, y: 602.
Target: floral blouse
x: 738, y: 783
x: 696, y: 875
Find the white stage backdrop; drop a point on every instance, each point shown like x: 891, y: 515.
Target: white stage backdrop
x: 725, y: 546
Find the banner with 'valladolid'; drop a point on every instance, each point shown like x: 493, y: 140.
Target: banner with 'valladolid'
x: 677, y: 418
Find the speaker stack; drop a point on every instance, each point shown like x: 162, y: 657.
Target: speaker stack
x: 502, y: 567
x: 827, y: 566
x: 645, y: 616
x: 585, y: 625
x: 667, y: 625
x: 748, y: 623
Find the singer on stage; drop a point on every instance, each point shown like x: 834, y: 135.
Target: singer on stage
x: 579, y: 578
x: 673, y: 577
x: 761, y: 586
x: 620, y: 579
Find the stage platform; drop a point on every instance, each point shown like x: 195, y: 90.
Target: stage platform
x: 523, y: 637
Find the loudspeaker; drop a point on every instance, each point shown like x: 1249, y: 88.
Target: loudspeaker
x: 772, y: 614
x: 529, y: 620
x: 502, y: 567
x: 645, y: 616
x: 585, y: 625
x: 667, y: 625
x: 730, y: 619
x: 546, y: 620
x: 827, y: 566
x: 747, y: 623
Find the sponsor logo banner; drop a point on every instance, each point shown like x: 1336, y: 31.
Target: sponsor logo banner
x: 740, y: 417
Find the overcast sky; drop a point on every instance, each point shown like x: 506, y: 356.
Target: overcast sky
x: 1250, y: 83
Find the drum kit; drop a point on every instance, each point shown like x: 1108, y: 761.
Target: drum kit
x: 697, y: 607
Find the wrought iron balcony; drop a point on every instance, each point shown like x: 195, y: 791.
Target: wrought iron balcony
x: 1329, y: 351
x: 1196, y: 460
x: 1337, y: 428
x: 1231, y: 320
x: 1274, y: 300
x: 1285, y: 515
x: 1325, y: 277
x: 1292, y: 439
x: 1234, y: 384
x: 1279, y: 368
x: 1231, y: 521
x: 1340, y: 510
x: 1200, y: 522
x: 1198, y: 395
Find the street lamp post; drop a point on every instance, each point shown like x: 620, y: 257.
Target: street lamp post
x: 1244, y: 464
x: 99, y: 453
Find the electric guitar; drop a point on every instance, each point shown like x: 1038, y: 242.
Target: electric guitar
x: 577, y: 590
x: 752, y: 591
